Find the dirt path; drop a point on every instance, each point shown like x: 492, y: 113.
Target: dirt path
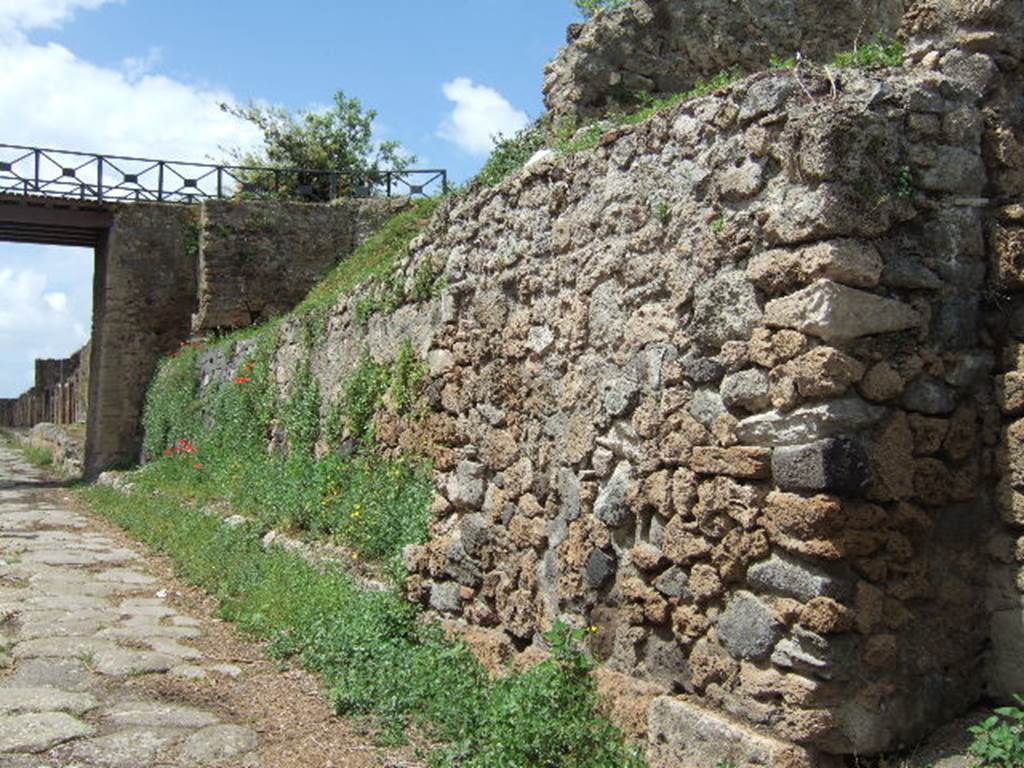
x: 107, y: 660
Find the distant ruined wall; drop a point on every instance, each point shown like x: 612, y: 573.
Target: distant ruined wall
x: 666, y: 46
x: 59, y: 395
x: 260, y: 259
x: 740, y: 388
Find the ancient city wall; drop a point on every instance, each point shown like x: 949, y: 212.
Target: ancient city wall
x: 259, y: 259
x: 165, y: 273
x: 666, y: 46
x: 727, y: 389
x: 59, y: 395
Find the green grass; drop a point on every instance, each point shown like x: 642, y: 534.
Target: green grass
x: 373, y: 259
x: 874, y: 55
x: 41, y: 457
x: 375, y: 654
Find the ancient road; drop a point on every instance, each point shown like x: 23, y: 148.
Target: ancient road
x: 81, y: 626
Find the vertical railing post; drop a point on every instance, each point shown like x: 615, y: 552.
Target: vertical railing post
x: 334, y: 185
x: 38, y: 159
x: 99, y: 178
x: 387, y: 177
x: 160, y: 181
x: 220, y: 182
x: 444, y: 182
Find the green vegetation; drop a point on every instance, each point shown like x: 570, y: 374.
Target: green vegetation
x: 337, y: 139
x: 510, y: 154
x: 377, y: 658
x: 589, y: 7
x: 999, y: 739
x: 37, y: 455
x: 876, y: 54
x: 373, y: 260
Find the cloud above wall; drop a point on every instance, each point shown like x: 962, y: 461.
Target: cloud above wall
x: 480, y: 113
x: 37, y: 318
x: 49, y: 96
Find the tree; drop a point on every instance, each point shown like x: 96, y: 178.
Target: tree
x: 589, y: 7
x: 338, y: 139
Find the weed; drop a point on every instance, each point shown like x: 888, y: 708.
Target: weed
x: 999, y: 738
x: 37, y: 455
x: 904, y: 183
x: 376, y: 655
x: 509, y: 155
x: 664, y: 213
x: 876, y: 54
x: 718, y: 225
x: 777, y: 62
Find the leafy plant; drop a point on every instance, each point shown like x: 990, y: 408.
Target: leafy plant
x: 509, y: 155
x: 338, y: 139
x: 999, y: 738
x: 876, y: 54
x: 904, y: 184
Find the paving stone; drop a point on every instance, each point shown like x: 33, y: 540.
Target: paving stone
x: 748, y: 627
x: 836, y: 464
x: 217, y: 743
x: 792, y: 577
x: 131, y: 748
x: 173, y: 648
x: 39, y: 732
x: 125, y: 576
x: 118, y: 662
x: 66, y: 674
x: 157, y: 714
x: 61, y: 648
x: 14, y: 701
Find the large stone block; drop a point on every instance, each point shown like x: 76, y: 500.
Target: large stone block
x: 790, y: 576
x: 748, y: 628
x: 838, y: 465
x: 738, y: 461
x: 835, y: 312
x: 809, y: 423
x: 682, y: 734
x: 725, y: 308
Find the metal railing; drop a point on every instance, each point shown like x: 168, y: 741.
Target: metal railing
x: 112, y: 178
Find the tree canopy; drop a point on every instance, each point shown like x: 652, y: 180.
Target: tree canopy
x: 338, y: 139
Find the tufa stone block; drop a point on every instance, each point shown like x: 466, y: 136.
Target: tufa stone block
x: 739, y: 461
x: 835, y: 312
x: 681, y: 733
x: 837, y: 465
x: 809, y: 423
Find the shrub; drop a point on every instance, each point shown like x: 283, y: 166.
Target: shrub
x: 509, y: 155
x: 337, y: 139
x: 999, y: 738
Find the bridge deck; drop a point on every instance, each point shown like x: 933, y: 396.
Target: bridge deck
x: 52, y: 221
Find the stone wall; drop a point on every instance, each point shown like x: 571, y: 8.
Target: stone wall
x: 666, y: 46
x: 723, y: 389
x: 165, y: 272
x: 259, y: 259
x: 59, y: 395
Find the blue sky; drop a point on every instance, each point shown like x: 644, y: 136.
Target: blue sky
x: 143, y: 77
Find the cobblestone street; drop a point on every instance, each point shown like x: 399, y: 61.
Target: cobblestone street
x: 82, y: 624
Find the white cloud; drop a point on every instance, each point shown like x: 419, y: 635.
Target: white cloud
x: 51, y: 97
x: 34, y: 14
x: 480, y: 113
